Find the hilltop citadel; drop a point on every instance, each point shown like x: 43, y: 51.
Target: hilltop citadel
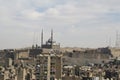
x: 51, y: 62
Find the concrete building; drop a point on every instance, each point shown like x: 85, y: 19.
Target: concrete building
x: 115, y: 52
x: 21, y: 54
x: 49, y: 67
x: 21, y: 73
x: 8, y: 62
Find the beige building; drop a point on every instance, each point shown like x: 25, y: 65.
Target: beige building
x: 49, y: 67
x: 21, y: 73
x: 8, y: 62
x: 115, y: 52
x: 21, y: 54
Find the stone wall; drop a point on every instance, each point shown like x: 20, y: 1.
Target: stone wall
x: 86, y: 57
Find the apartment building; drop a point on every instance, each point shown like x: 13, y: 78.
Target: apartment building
x: 49, y: 67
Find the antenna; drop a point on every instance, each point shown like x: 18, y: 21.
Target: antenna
x: 109, y: 42
x: 33, y: 38
x: 117, y: 45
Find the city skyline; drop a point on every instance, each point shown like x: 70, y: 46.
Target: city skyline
x: 76, y: 23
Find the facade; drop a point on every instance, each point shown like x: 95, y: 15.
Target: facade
x: 21, y: 54
x: 8, y: 62
x: 49, y: 67
x: 21, y: 73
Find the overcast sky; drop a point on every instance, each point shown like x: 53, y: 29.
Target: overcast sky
x: 76, y: 23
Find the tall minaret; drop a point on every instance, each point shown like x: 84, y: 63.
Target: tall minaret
x: 51, y: 37
x: 41, y: 38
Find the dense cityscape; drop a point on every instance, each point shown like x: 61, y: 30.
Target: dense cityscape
x: 51, y: 62
x: 59, y: 40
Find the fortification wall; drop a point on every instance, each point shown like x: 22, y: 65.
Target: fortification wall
x: 85, y: 57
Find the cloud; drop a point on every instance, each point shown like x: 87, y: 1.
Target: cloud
x: 75, y: 22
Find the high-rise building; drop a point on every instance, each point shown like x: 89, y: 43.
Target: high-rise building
x: 49, y: 67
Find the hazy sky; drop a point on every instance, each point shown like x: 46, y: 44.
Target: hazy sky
x: 80, y: 23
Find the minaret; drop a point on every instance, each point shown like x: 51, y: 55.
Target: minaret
x: 51, y: 37
x: 41, y: 38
